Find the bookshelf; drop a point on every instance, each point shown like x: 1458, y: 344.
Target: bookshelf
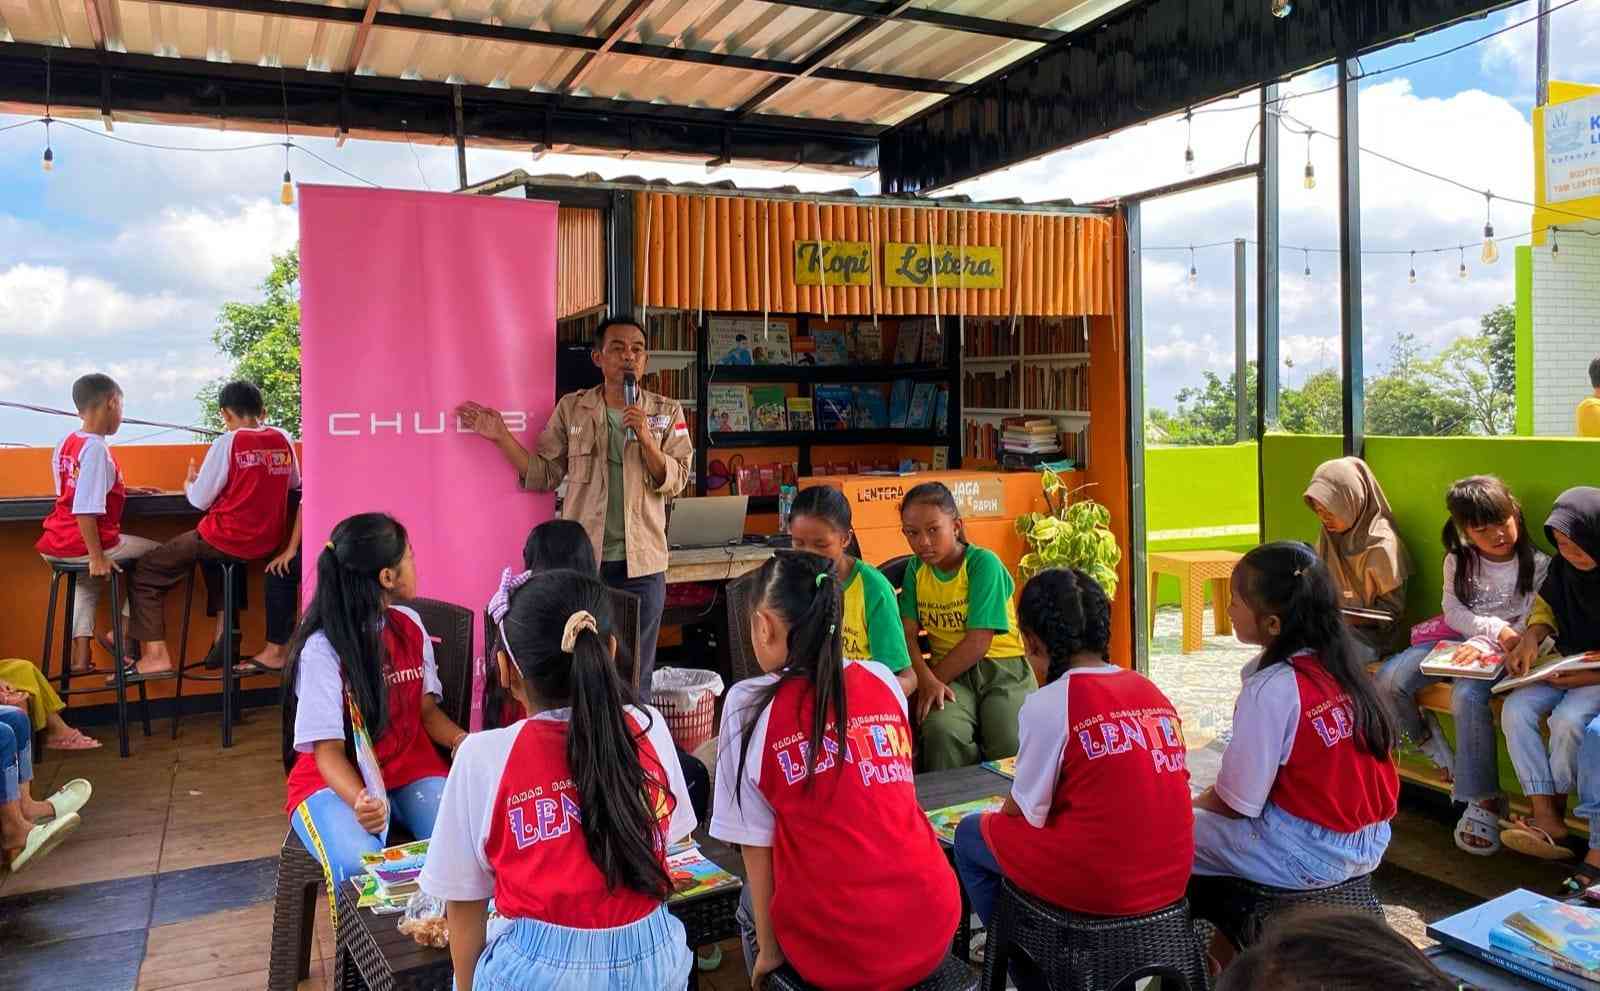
x: 1031, y: 367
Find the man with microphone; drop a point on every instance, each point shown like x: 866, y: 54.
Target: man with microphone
x: 623, y: 453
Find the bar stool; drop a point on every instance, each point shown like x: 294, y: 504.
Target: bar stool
x: 230, y: 619
x: 70, y: 573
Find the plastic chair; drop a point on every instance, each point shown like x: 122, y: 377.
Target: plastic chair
x: 1075, y: 952
x: 894, y: 569
x: 741, y: 651
x: 450, y: 628
x: 71, y: 573
x: 1241, y: 909
x: 625, y: 619
x: 229, y: 567
x: 952, y: 975
x: 294, y: 914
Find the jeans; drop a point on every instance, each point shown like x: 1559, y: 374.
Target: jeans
x: 1283, y: 850
x: 652, y: 593
x: 649, y: 955
x: 283, y: 602
x: 1401, y: 678
x: 1589, y: 781
x: 343, y: 840
x: 1552, y: 771
x: 980, y: 873
x: 86, y: 600
x: 981, y: 723
x: 16, y: 753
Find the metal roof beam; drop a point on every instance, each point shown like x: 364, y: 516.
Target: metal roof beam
x: 623, y: 23
x: 919, y: 15
x: 811, y: 63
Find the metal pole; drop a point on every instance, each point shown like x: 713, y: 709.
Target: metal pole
x: 1138, y: 542
x: 1266, y: 294
x: 461, y: 137
x: 1354, y: 390
x: 1541, y: 94
x: 1241, y: 366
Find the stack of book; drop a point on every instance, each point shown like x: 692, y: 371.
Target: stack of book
x: 1025, y: 435
x: 389, y: 877
x: 1549, y: 942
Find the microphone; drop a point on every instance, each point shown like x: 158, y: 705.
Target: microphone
x: 630, y: 395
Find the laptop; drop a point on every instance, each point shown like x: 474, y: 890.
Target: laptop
x: 707, y: 521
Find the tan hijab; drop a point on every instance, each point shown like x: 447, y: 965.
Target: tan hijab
x: 1367, y: 560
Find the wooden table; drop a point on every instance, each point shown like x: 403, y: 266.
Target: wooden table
x: 714, y: 564
x: 1194, y: 570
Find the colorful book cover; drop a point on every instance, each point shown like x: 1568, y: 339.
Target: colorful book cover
x: 1569, y: 932
x: 731, y: 340
x: 768, y: 407
x: 941, y: 410
x: 403, y: 856
x: 932, y: 344
x: 804, y: 350
x: 920, y: 414
x: 899, y: 403
x: 1441, y: 663
x: 370, y: 894
x: 1006, y: 767
x: 908, y: 342
x: 366, y: 757
x: 1520, y: 947
x: 866, y: 342
x: 729, y: 408
x: 692, y: 874
x: 941, y: 459
x: 833, y: 345
x: 1471, y: 932
x: 872, y: 409
x: 769, y: 345
x: 944, y: 820
x: 833, y: 405
x: 1549, y: 668
x: 801, y: 415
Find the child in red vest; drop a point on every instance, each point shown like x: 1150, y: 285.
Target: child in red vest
x: 1097, y: 740
x: 1307, y: 785
x: 357, y: 655
x: 563, y: 818
x: 243, y: 487
x: 85, y: 527
x: 844, y: 878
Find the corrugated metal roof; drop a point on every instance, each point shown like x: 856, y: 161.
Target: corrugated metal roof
x: 413, y: 39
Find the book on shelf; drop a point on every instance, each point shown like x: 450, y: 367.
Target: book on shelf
x: 1055, y: 335
x: 908, y: 342
x: 866, y: 342
x: 673, y: 383
x: 941, y: 458
x: 924, y: 397
x: 1548, y: 668
x: 748, y: 340
x: 768, y: 408
x: 990, y: 337
x: 804, y: 351
x: 932, y: 352
x: 1441, y: 662
x: 1064, y: 387
x: 728, y: 408
x: 834, y: 407
x: 941, y: 410
x: 871, y: 408
x: 579, y: 328
x: 990, y: 388
x: 801, y: 415
x: 832, y: 343
x: 669, y: 330
x: 899, y: 403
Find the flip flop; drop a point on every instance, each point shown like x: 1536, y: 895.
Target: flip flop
x: 79, y: 740
x: 71, y: 797
x: 1532, y: 841
x: 252, y: 667
x: 132, y: 674
x: 42, y: 839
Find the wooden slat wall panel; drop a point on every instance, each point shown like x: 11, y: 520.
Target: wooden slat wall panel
x: 581, y: 262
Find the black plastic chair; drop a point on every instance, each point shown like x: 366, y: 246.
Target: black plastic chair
x: 952, y: 975
x: 894, y: 569
x: 741, y: 651
x: 1241, y: 909
x: 1075, y: 952
x: 294, y: 914
x: 229, y: 569
x: 71, y: 573
x: 450, y: 627
x: 625, y: 619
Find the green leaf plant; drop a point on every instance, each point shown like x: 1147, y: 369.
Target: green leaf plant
x: 1075, y: 533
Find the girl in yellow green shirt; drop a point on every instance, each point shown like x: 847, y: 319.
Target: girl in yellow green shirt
x: 961, y: 594
x: 820, y: 523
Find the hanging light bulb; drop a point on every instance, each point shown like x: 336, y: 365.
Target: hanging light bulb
x: 1412, y: 277
x: 1282, y: 8
x: 1308, y: 261
x: 1462, y: 272
x: 1194, y: 274
x: 1188, y: 142
x: 286, y: 192
x: 1555, y: 248
x: 49, y: 161
x: 1491, y: 252
x: 1311, y: 170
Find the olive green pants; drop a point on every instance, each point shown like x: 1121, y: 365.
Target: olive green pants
x: 981, y: 723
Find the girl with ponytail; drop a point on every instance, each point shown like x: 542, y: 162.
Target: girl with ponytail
x: 814, y: 782
x: 360, y: 662
x: 563, y: 818
x: 1307, y: 784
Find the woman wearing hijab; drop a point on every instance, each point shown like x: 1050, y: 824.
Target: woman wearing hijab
x: 1361, y: 547
x: 1567, y: 610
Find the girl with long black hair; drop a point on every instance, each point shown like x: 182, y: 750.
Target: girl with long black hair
x: 563, y: 818
x: 844, y: 878
x: 359, y: 661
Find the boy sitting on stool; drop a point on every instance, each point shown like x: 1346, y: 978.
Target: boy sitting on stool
x: 243, y: 486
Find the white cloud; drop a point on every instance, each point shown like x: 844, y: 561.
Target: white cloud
x: 46, y: 301
x: 222, y: 252
x: 1574, y: 39
x: 159, y: 386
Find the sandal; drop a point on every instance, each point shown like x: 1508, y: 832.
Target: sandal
x: 1533, y: 841
x: 76, y: 740
x: 213, y: 660
x: 1580, y: 880
x: 252, y: 667
x: 71, y: 797
x: 132, y: 674
x: 1478, y: 823
x: 41, y: 840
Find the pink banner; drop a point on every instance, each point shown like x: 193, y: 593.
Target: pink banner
x: 411, y: 303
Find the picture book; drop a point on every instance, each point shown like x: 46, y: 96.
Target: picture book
x: 729, y: 408
x: 1530, y: 954
x: 770, y: 345
x: 932, y: 343
x: 366, y: 757
x: 834, y: 404
x: 804, y: 350
x: 832, y: 345
x: 768, y: 408
x: 1005, y: 766
x: 1471, y: 933
x: 899, y: 403
x: 1548, y: 669
x: 748, y: 340
x: 871, y: 408
x: 369, y: 894
x: 941, y: 458
x: 801, y: 416
x: 1441, y: 662
x: 941, y: 410
x: 404, y: 856
x: 866, y: 342
x: 944, y: 820
x: 692, y: 874
x: 908, y: 342
x: 1569, y: 933
x: 920, y: 414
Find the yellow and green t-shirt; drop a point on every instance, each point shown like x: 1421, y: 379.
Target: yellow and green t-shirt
x: 1589, y: 417
x: 976, y: 596
x: 872, y: 628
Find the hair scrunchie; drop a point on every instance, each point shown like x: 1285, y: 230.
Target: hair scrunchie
x: 579, y: 621
x: 510, y: 581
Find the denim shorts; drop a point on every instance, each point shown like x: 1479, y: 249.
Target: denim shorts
x: 649, y: 955
x: 1283, y: 850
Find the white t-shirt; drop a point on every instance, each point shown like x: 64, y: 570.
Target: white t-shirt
x: 97, y: 474
x: 1042, y: 729
x: 1496, y: 603
x: 213, y: 473
x: 1265, y: 719
x: 743, y: 814
x: 457, y: 868
x: 319, y: 687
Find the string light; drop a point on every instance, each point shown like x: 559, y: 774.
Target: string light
x: 1194, y: 274
x: 49, y: 161
x: 1412, y: 277
x: 1491, y: 252
x: 1308, y: 261
x: 286, y: 191
x: 1555, y: 248
x: 1463, y: 250
x: 1311, y: 170
x: 1188, y: 141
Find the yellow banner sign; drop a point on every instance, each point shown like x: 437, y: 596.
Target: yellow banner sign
x: 907, y: 266
x: 841, y: 263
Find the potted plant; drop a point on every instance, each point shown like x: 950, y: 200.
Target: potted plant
x: 1073, y: 534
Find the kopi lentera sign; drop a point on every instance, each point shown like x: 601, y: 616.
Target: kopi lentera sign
x: 1572, y: 150
x: 906, y: 266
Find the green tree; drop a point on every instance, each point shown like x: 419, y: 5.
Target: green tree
x: 1206, y: 415
x: 1499, y: 331
x: 263, y: 341
x: 1467, y: 374
x: 1317, y: 407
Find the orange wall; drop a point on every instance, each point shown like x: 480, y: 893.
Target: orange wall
x: 25, y: 594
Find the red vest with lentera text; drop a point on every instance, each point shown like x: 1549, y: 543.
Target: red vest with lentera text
x: 249, y: 517
x: 1330, y: 779
x: 62, y: 537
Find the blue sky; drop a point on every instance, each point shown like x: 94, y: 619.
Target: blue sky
x: 120, y: 257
